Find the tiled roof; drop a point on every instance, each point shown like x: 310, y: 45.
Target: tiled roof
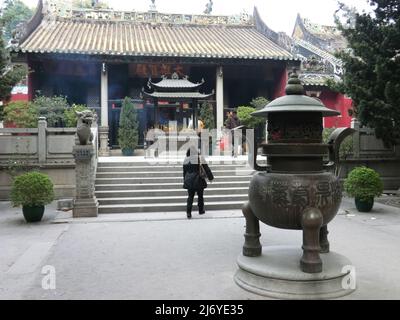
x: 323, y: 54
x: 176, y: 84
x: 178, y: 95
x: 316, y: 79
x: 127, y: 38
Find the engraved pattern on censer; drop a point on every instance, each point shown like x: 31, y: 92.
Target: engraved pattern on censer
x: 283, y: 130
x: 298, y: 195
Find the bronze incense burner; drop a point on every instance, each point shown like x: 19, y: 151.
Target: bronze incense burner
x: 297, y: 190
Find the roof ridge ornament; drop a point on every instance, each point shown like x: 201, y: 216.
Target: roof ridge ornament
x: 209, y: 7
x: 175, y: 76
x: 294, y: 85
x: 153, y: 6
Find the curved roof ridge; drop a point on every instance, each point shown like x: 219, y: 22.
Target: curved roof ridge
x: 52, y: 10
x: 322, y: 53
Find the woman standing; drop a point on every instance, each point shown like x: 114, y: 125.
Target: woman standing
x: 193, y: 181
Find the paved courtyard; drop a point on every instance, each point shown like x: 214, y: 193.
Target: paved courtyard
x: 165, y: 256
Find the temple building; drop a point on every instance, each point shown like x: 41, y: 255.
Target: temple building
x: 175, y: 99
x: 97, y: 57
x: 315, y: 45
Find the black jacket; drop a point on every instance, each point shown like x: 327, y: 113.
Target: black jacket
x: 191, y: 177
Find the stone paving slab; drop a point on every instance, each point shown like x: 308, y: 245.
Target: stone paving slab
x: 165, y: 256
x: 393, y: 201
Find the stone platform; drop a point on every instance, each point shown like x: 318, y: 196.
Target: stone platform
x: 277, y: 274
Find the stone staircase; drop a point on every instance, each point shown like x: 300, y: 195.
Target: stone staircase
x: 133, y: 187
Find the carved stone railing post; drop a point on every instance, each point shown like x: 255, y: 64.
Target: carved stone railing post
x: 85, y: 203
x: 103, y: 137
x: 42, y: 140
x: 85, y: 154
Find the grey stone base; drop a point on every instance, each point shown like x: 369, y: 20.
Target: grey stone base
x: 86, y: 208
x: 277, y: 274
x: 104, y: 150
x: 65, y: 204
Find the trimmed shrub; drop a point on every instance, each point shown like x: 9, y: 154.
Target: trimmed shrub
x: 128, y: 133
x: 363, y: 183
x: 207, y: 115
x: 32, y: 189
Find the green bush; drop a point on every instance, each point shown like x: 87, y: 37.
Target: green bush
x: 32, y: 189
x: 259, y: 103
x: 128, y: 133
x: 52, y: 108
x: 363, y: 183
x: 207, y: 116
x: 71, y: 119
x: 22, y: 113
x: 246, y: 119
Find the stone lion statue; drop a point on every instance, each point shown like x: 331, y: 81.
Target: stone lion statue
x: 85, y: 120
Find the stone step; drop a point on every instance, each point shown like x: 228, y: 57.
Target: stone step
x: 168, y: 207
x: 152, y: 180
x: 110, y: 193
x: 179, y: 173
x: 162, y: 169
x: 151, y: 186
x: 222, y: 163
x: 171, y: 199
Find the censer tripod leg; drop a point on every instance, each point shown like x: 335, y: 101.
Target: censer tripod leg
x: 323, y: 239
x: 252, y: 246
x: 312, y: 222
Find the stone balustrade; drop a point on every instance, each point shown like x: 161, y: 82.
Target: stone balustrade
x: 46, y: 149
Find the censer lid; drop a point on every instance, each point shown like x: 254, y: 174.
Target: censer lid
x: 295, y: 101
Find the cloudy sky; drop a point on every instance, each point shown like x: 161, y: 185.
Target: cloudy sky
x: 279, y: 15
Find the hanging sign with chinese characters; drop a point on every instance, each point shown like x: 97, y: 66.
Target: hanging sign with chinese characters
x: 157, y: 70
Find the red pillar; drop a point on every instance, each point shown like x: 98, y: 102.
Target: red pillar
x: 281, y: 85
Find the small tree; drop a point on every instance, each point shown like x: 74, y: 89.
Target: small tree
x: 9, y: 75
x: 372, y: 67
x: 128, y: 135
x: 207, y: 115
x: 259, y: 103
x: 246, y: 119
x: 13, y: 13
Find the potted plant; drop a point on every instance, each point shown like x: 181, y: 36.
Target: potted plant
x: 32, y: 191
x: 128, y: 135
x: 364, y: 184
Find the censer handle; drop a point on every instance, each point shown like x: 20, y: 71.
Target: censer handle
x: 252, y: 154
x: 334, y: 142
